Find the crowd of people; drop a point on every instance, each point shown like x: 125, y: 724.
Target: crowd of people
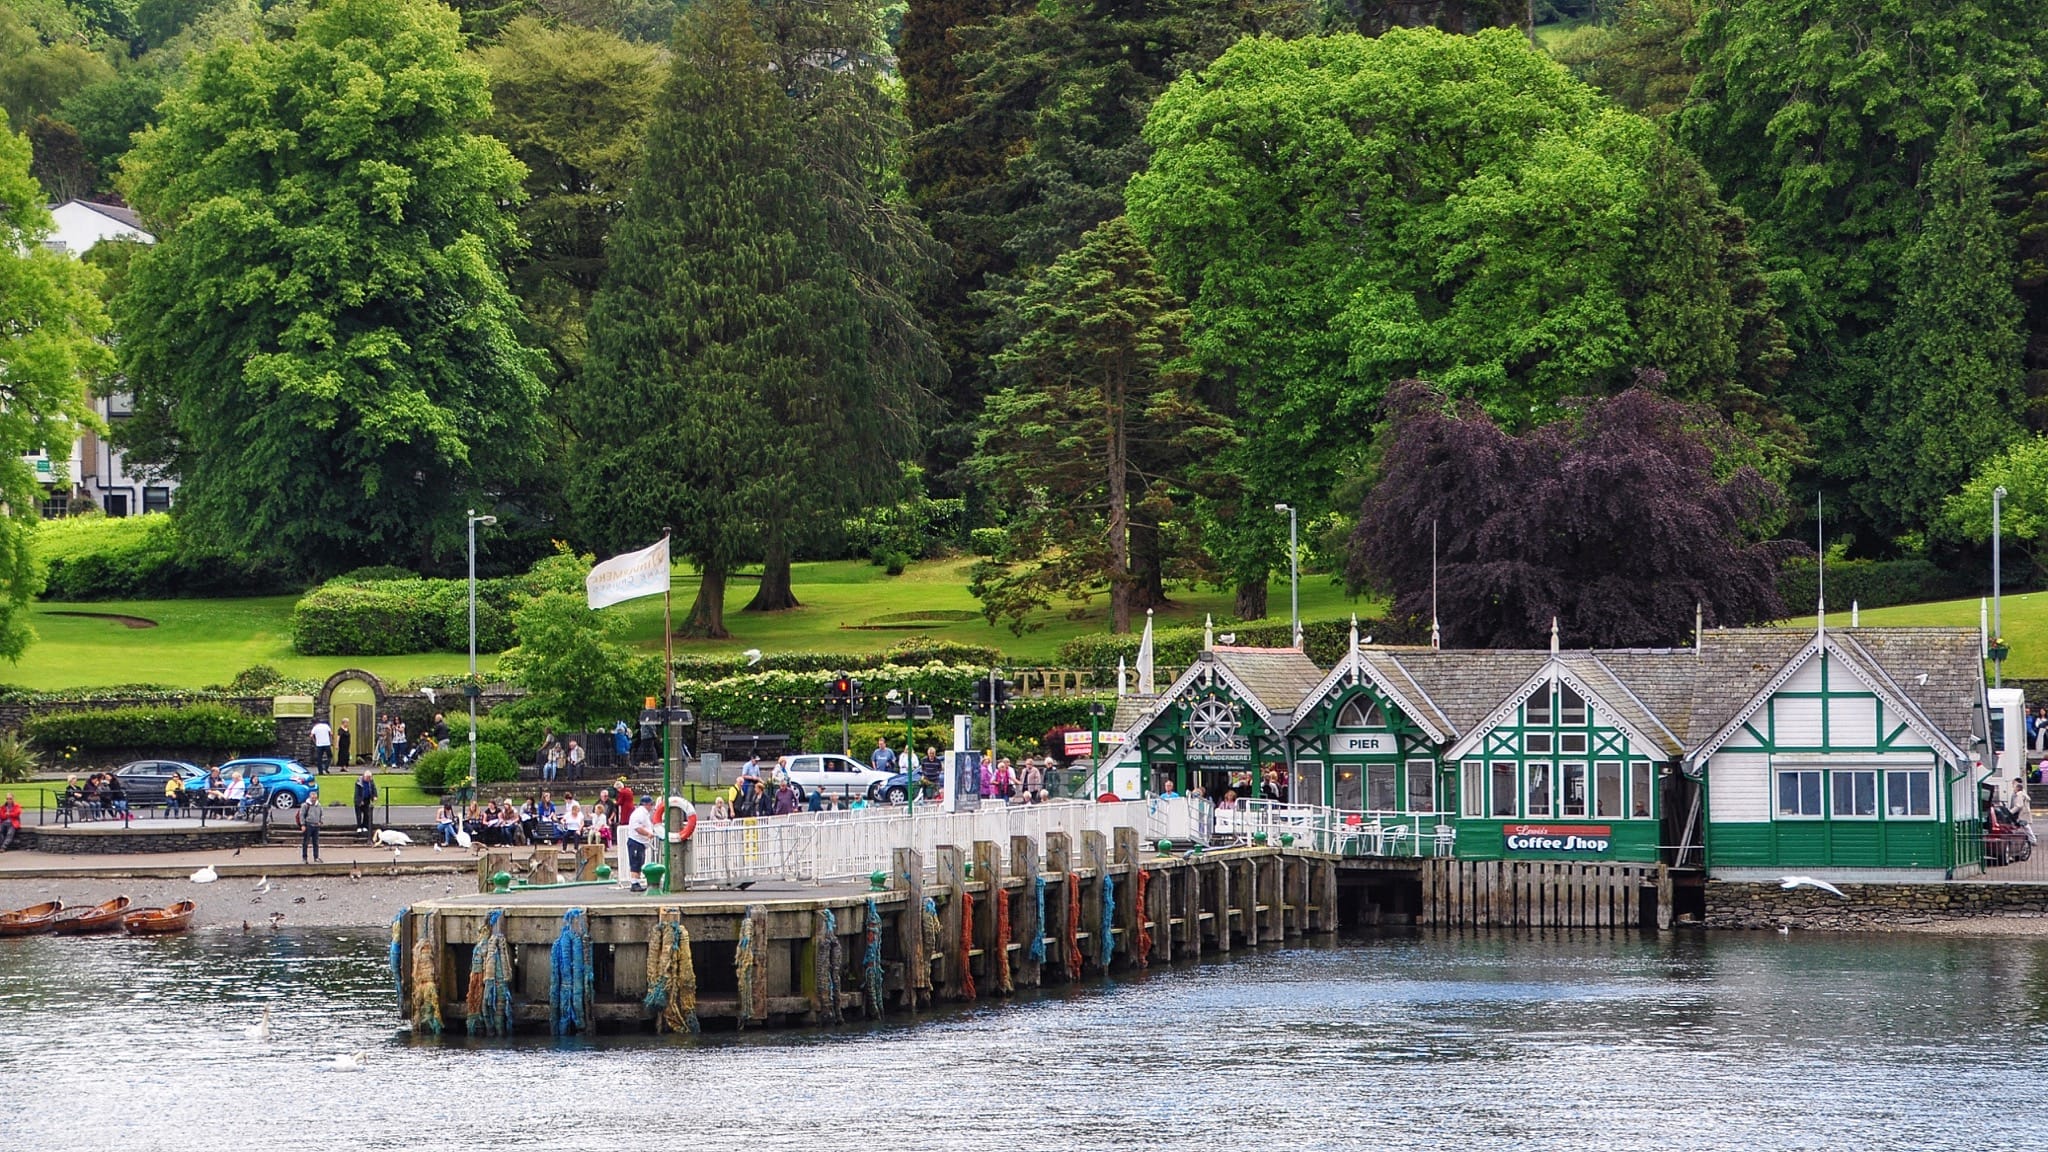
x: 538, y: 819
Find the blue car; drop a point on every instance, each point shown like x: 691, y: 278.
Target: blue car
x: 286, y: 782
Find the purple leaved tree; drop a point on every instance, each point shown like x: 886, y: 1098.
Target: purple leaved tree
x: 1611, y: 520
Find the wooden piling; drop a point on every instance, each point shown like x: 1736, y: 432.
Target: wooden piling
x: 1025, y: 925
x: 988, y: 873
x: 906, y: 871
x: 543, y: 867
x: 492, y: 862
x: 952, y: 983
x: 1221, y: 910
x: 588, y: 857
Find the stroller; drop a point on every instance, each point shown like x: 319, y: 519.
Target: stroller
x: 2005, y: 839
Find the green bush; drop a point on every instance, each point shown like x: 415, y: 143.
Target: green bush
x: 987, y: 541
x: 925, y: 650
x: 507, y: 727
x: 194, y: 727
x: 1870, y: 583
x: 446, y: 768
x: 400, y: 617
x: 139, y: 558
x: 18, y: 761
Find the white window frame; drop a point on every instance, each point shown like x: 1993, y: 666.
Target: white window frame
x: 1393, y: 773
x: 1537, y: 743
x: 1565, y: 695
x: 1886, y: 805
x: 1836, y: 776
x: 1571, y: 744
x: 1820, y: 794
x: 1493, y: 777
x: 1530, y: 714
x: 1472, y: 789
x: 1642, y: 786
x: 1619, y: 771
x: 1307, y: 770
x: 1532, y: 795
x: 1369, y: 716
x: 1564, y: 789
x: 1425, y: 771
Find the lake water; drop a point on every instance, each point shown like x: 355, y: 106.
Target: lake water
x: 1472, y: 1042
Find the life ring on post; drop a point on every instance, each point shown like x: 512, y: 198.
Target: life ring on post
x: 689, y: 811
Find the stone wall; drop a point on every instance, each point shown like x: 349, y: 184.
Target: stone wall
x: 85, y: 841
x: 1744, y: 905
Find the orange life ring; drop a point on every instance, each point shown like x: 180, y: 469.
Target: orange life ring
x: 689, y: 817
x: 689, y: 825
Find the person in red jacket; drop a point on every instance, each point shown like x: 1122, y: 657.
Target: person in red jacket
x: 10, y: 822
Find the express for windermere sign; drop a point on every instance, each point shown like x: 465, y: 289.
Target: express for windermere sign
x: 1578, y: 839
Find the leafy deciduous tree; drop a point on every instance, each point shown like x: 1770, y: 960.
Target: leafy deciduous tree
x: 322, y: 345
x: 573, y: 664
x: 1613, y: 521
x: 51, y: 325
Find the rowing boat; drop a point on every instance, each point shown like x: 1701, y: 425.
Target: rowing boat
x: 101, y: 917
x: 30, y: 920
x: 155, y: 921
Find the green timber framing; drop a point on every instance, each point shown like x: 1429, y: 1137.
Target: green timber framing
x: 1584, y: 755
x: 1831, y: 768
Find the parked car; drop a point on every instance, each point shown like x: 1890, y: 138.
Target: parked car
x: 144, y: 780
x: 835, y: 775
x: 287, y: 783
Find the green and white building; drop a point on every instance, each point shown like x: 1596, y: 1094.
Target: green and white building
x: 1847, y: 752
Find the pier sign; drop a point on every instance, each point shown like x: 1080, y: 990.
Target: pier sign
x: 1574, y: 839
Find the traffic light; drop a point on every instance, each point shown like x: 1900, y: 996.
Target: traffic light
x: 990, y: 692
x: 843, y: 694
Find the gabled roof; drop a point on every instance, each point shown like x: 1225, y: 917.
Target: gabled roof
x: 1274, y: 681
x: 1462, y: 685
x: 1356, y: 663
x: 1933, y: 678
x: 1591, y: 680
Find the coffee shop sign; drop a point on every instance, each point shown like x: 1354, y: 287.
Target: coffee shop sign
x: 1580, y: 839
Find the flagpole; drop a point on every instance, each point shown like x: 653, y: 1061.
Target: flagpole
x: 668, y: 754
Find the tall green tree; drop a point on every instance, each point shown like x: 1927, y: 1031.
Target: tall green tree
x: 1953, y: 389
x: 51, y: 328
x: 1640, y: 58
x: 575, y: 664
x: 1820, y: 119
x: 1097, y: 417
x: 322, y: 344
x: 728, y: 383
x: 1344, y: 212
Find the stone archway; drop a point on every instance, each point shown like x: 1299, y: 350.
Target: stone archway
x: 351, y: 701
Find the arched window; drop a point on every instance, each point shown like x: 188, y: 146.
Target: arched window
x: 1360, y: 712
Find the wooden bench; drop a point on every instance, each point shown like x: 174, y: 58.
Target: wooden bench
x: 738, y: 746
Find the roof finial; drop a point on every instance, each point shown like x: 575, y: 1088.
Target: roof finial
x: 1208, y: 633
x: 1820, y: 556
x: 1699, y: 624
x: 1553, y: 635
x: 1121, y: 672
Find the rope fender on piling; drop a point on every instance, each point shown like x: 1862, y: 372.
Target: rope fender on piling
x: 426, y: 981
x: 1142, y: 950
x: 967, y: 945
x: 1005, y: 982
x: 751, y: 964
x: 1073, y: 956
x: 871, y: 959
x: 489, y: 1002
x: 671, y: 974
x: 828, y: 963
x: 570, y: 979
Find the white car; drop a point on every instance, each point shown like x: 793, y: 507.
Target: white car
x: 834, y: 774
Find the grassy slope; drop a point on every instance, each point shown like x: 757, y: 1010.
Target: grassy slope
x: 2025, y: 616
x: 203, y: 642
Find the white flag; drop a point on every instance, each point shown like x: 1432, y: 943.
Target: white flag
x: 629, y: 575
x: 1146, y: 687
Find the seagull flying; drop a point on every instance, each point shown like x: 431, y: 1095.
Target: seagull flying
x: 753, y: 656
x: 428, y: 693
x: 1790, y: 882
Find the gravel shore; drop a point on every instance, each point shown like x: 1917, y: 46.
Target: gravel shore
x: 305, y: 901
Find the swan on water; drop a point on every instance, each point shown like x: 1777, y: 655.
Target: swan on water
x: 261, y: 1029
x: 1790, y: 882
x: 348, y: 1062
x: 205, y: 875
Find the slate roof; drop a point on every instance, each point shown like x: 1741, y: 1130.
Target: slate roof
x: 1950, y: 658
x: 1280, y: 677
x: 1462, y: 685
x: 1129, y: 710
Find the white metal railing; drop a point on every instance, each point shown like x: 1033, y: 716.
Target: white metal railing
x: 1348, y: 833
x: 842, y: 845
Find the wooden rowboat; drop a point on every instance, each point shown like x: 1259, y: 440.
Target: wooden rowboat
x: 103, y: 917
x: 154, y: 921
x: 31, y: 920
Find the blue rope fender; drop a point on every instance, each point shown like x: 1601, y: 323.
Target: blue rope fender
x: 871, y: 959
x: 570, y: 977
x: 1037, y: 948
x: 490, y: 976
x: 1108, y: 933
x: 397, y: 957
x: 828, y: 964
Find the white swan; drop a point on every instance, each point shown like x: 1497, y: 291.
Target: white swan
x: 348, y: 1062
x: 205, y: 875
x: 261, y: 1029
x: 1790, y: 882
x: 392, y: 837
x: 461, y: 838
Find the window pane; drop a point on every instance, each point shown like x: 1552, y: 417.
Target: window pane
x: 1539, y: 789
x: 1923, y: 794
x: 1607, y: 794
x: 1639, y: 793
x: 1504, y: 788
x: 1421, y: 786
x: 1350, y: 789
x: 1379, y: 788
x: 1572, y: 742
x: 1788, y: 793
x: 1809, y: 793
x: 1866, y: 793
x: 1998, y: 729
x: 1473, y: 784
x: 1308, y: 782
x: 1845, y: 794
x: 1539, y: 706
x: 1574, y: 789
x: 1537, y: 742
x: 1571, y: 708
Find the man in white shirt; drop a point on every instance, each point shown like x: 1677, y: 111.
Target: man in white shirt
x: 638, y: 841
x: 323, y: 746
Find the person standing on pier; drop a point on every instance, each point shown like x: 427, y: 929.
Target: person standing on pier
x: 883, y: 758
x: 323, y: 747
x: 366, y: 800
x: 639, y: 838
x: 311, y: 816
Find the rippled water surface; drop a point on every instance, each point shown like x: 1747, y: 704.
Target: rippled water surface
x: 1475, y: 1042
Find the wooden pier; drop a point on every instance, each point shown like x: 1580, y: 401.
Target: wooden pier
x: 1215, y: 900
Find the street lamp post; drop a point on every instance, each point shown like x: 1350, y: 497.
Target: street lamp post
x: 1997, y: 578
x: 904, y: 706
x: 1293, y: 569
x: 470, y: 689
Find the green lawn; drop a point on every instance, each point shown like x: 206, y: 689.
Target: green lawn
x: 848, y: 606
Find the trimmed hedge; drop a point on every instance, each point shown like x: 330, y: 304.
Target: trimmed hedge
x: 446, y: 768
x: 1872, y: 583
x: 140, y: 558
x: 911, y: 651
x: 401, y: 617
x: 518, y: 735
x: 197, y: 727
